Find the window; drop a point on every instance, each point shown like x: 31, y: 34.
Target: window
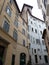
x: 41, y: 32
x: 32, y: 29
x: 23, y: 42
x: 38, y: 49
x: 11, y: 1
x: 46, y: 58
x: 34, y: 19
x: 43, y: 42
x: 16, y: 23
x: 31, y: 22
x: 15, y: 35
x: 39, y: 26
x: 13, y: 60
x: 35, y: 50
x: 46, y: 48
x: 32, y: 50
x: 6, y: 26
x: 35, y: 31
x: 37, y: 41
x: 8, y: 11
x: 28, y: 36
x: 23, y: 31
x: 40, y: 57
x: 33, y: 40
x: 28, y: 27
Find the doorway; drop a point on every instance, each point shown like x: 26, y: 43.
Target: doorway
x: 22, y: 59
x: 1, y: 54
x: 36, y: 60
x: 46, y: 59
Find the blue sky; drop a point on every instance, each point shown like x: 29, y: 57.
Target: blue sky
x: 35, y: 11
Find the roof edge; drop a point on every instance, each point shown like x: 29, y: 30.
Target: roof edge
x: 27, y: 6
x: 34, y: 16
x: 16, y: 5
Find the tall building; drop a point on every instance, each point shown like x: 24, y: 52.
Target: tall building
x: 45, y: 10
x: 42, y: 5
x: 14, y: 43
x: 37, y: 49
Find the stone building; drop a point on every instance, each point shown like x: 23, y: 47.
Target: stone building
x: 14, y: 43
x: 44, y: 5
x: 36, y: 26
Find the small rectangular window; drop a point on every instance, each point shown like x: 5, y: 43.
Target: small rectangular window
x: 23, y: 42
x: 15, y: 35
x: 23, y: 31
x: 28, y: 36
x: 16, y: 23
x: 11, y: 1
x: 13, y: 60
x: 31, y: 22
x: 35, y: 50
x: 8, y: 11
x: 6, y: 26
x: 41, y: 32
x: 28, y: 27
x: 33, y: 40
x: 43, y: 42
x: 38, y: 49
x: 40, y: 26
x: 37, y: 41
x: 40, y: 57
x: 32, y: 29
x: 35, y: 31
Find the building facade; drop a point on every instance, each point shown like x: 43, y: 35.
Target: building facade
x: 45, y: 10
x: 42, y: 5
x: 14, y: 43
x: 37, y: 49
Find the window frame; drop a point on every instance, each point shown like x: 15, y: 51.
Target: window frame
x: 16, y: 23
x: 8, y: 11
x: 15, y: 35
x: 23, y: 42
x: 5, y: 26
